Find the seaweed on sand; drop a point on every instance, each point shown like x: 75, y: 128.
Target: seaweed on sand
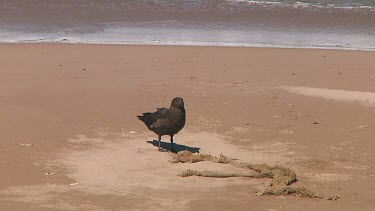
x: 281, y: 177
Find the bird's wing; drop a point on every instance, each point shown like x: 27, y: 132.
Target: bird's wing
x: 160, y: 118
x: 160, y: 124
x: 161, y: 113
x: 156, y: 119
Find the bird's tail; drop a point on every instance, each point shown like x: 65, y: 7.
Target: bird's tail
x: 142, y: 118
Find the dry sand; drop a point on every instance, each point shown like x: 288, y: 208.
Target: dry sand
x: 70, y: 139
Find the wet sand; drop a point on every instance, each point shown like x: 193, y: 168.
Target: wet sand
x: 70, y: 139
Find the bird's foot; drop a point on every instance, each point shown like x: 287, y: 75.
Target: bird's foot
x: 162, y: 150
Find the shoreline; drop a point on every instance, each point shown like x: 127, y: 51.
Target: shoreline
x: 194, y: 44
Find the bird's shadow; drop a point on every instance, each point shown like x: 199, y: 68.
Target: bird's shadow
x: 177, y: 147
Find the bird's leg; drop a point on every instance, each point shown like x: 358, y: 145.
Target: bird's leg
x: 159, y: 138
x: 172, y: 143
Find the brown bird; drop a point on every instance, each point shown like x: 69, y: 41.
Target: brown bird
x: 166, y: 121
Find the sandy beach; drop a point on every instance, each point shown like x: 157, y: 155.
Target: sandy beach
x: 70, y: 139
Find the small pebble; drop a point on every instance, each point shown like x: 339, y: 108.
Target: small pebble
x: 26, y: 145
x: 363, y: 126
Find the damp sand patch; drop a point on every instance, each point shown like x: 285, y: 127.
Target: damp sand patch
x: 125, y: 168
x: 281, y: 177
x: 364, y: 98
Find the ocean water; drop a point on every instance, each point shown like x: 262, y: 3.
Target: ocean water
x: 342, y: 24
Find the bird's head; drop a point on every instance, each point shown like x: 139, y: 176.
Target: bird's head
x: 178, y: 102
